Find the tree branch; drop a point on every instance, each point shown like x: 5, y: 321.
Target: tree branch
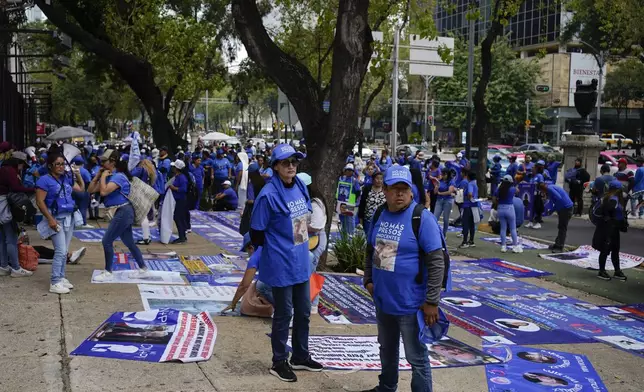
x: 369, y: 101
x: 384, y: 16
x: 168, y: 98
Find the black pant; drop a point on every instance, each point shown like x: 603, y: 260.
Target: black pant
x: 562, y: 227
x: 537, y: 216
x: 180, y: 213
x: 221, y: 205
x: 244, y: 225
x: 577, y: 196
x: 432, y: 202
x: 613, y: 248
x: 468, y: 225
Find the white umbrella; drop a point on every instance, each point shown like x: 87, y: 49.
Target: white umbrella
x: 215, y: 137
x: 69, y: 133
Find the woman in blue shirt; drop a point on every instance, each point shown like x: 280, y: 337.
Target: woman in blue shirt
x: 179, y: 188
x: 113, y: 183
x: 433, y: 176
x: 385, y: 161
x: 279, y: 224
x: 507, y: 217
x: 470, y: 208
x: 54, y: 199
x: 147, y: 173
x: 255, y: 185
x: 444, y: 195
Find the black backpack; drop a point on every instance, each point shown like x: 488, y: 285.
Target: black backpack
x: 415, y: 226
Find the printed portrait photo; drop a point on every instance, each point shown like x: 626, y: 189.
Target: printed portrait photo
x: 463, y: 302
x: 519, y: 325
x: 133, y: 333
x: 384, y: 255
x: 536, y: 357
x: 300, y: 230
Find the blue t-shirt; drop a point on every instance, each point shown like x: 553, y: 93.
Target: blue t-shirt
x: 268, y: 171
x: 416, y: 193
x: 508, y: 197
x: 443, y: 186
x: 230, y: 197
x: 221, y: 167
x: 384, y: 164
x: 537, y: 179
x: 519, y: 210
x: 164, y: 166
x: 239, y: 167
x: 553, y: 170
x: 495, y: 172
x: 415, y: 164
x: 395, y: 260
x: 140, y: 173
x: 471, y: 190
x: 181, y: 182
x: 116, y: 198
x: 86, y: 176
x: 250, y: 192
x: 58, y: 200
x: 512, y: 169
x: 559, y: 197
x: 253, y: 261
x: 286, y: 259
x: 436, y: 173
x: 198, y: 173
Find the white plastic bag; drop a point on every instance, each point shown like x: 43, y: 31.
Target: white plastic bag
x: 166, y: 218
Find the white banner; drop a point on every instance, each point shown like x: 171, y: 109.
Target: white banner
x: 192, y: 299
x: 154, y: 277
x: 587, y: 257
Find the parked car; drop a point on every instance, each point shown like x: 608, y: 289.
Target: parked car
x: 611, y: 157
x: 491, y: 152
x: 366, y: 151
x: 410, y: 149
x: 534, y: 147
x: 611, y: 140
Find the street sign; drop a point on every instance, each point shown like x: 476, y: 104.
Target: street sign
x: 91, y: 123
x: 200, y: 117
x: 527, y: 123
x: 430, y: 120
x: 542, y: 88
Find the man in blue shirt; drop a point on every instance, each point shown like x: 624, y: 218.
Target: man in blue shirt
x: 512, y: 167
x: 226, y: 200
x: 638, y: 186
x: 404, y: 275
x: 164, y: 162
x: 495, y: 173
x: 198, y: 172
x: 563, y: 205
x: 553, y: 168
x: 223, y: 170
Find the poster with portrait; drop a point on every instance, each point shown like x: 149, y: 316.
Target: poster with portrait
x: 160, y: 335
x: 532, y: 369
x: 191, y: 299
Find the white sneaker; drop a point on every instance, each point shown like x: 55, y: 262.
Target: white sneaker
x: 188, y: 231
x: 504, y: 249
x: 58, y: 288
x: 529, y: 225
x: 517, y: 249
x: 536, y: 226
x: 77, y: 255
x: 153, y: 223
x: 66, y: 283
x: 140, y: 273
x: 459, y: 234
x: 5, y: 271
x: 20, y: 273
x: 85, y: 226
x: 104, y: 276
x: 314, y: 309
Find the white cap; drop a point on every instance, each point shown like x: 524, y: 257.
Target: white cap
x: 226, y: 183
x: 349, y: 166
x: 459, y: 155
x: 179, y: 164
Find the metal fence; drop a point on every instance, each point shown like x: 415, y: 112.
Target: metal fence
x: 17, y: 112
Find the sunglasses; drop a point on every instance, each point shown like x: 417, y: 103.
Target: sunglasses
x: 290, y: 161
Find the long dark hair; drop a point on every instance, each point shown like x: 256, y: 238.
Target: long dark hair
x: 417, y: 179
x: 121, y: 167
x: 504, y: 188
x: 51, y: 158
x: 258, y: 182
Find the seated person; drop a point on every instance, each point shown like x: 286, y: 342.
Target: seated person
x: 227, y: 199
x: 261, y: 304
x: 47, y: 255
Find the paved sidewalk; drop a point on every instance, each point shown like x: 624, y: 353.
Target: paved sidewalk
x: 39, y: 330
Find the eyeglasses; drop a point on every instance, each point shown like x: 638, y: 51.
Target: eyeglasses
x: 290, y: 161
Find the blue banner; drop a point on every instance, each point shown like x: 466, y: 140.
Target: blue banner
x: 508, y: 268
x: 533, y: 369
x: 160, y: 335
x: 344, y: 300
x: 230, y: 219
x: 232, y: 279
x: 526, y: 192
x: 96, y: 235
x: 125, y: 261
x: 635, y: 311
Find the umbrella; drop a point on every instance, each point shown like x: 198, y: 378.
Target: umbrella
x: 215, y: 137
x: 69, y: 133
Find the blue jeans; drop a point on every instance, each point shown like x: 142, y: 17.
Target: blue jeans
x: 9, y: 246
x: 507, y: 219
x: 290, y: 301
x: 389, y: 330
x: 180, y: 213
x: 121, y: 226
x: 265, y: 291
x: 444, y: 207
x: 61, y: 241
x: 82, y: 199
x: 347, y: 224
x: 199, y: 193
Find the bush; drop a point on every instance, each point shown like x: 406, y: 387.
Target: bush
x: 537, y: 155
x: 350, y: 251
x: 415, y: 138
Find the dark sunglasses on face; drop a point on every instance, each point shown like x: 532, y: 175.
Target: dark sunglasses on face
x: 290, y: 161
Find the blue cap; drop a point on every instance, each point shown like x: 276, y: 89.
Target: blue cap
x: 43, y: 155
x: 396, y: 174
x: 432, y: 334
x: 284, y: 151
x: 615, y: 184
x: 540, y: 162
x: 220, y: 152
x: 350, y: 159
x: 125, y: 157
x: 496, y: 157
x: 245, y: 242
x: 253, y: 167
x: 78, y: 159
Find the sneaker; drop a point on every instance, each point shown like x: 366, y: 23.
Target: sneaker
x: 459, y: 235
x: 58, y: 288
x: 85, y: 227
x: 179, y: 241
x: 188, y: 231
x: 66, y: 283
x: 314, y: 309
x: 77, y: 256
x: 517, y: 249
x: 153, y: 223
x: 557, y: 249
x: 603, y: 275
x: 536, y: 226
x: 471, y: 244
x: 309, y: 364
x: 104, y: 276
x: 144, y: 242
x: 529, y: 225
x: 6, y: 271
x: 619, y: 275
x: 283, y: 371
x: 464, y: 246
x: 20, y: 273
x: 504, y: 249
x: 140, y: 273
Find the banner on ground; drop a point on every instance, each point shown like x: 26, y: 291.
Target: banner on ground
x: 344, y: 300
x: 587, y: 257
x: 154, y: 262
x: 635, y: 311
x: 508, y: 268
x: 524, y: 242
x: 224, y: 263
x: 363, y: 353
x: 96, y: 235
x: 153, y: 277
x: 161, y: 335
x: 536, y: 370
x: 191, y: 299
x: 220, y: 235
x: 231, y: 219
x: 195, y: 265
x: 223, y: 279
x: 498, y: 324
